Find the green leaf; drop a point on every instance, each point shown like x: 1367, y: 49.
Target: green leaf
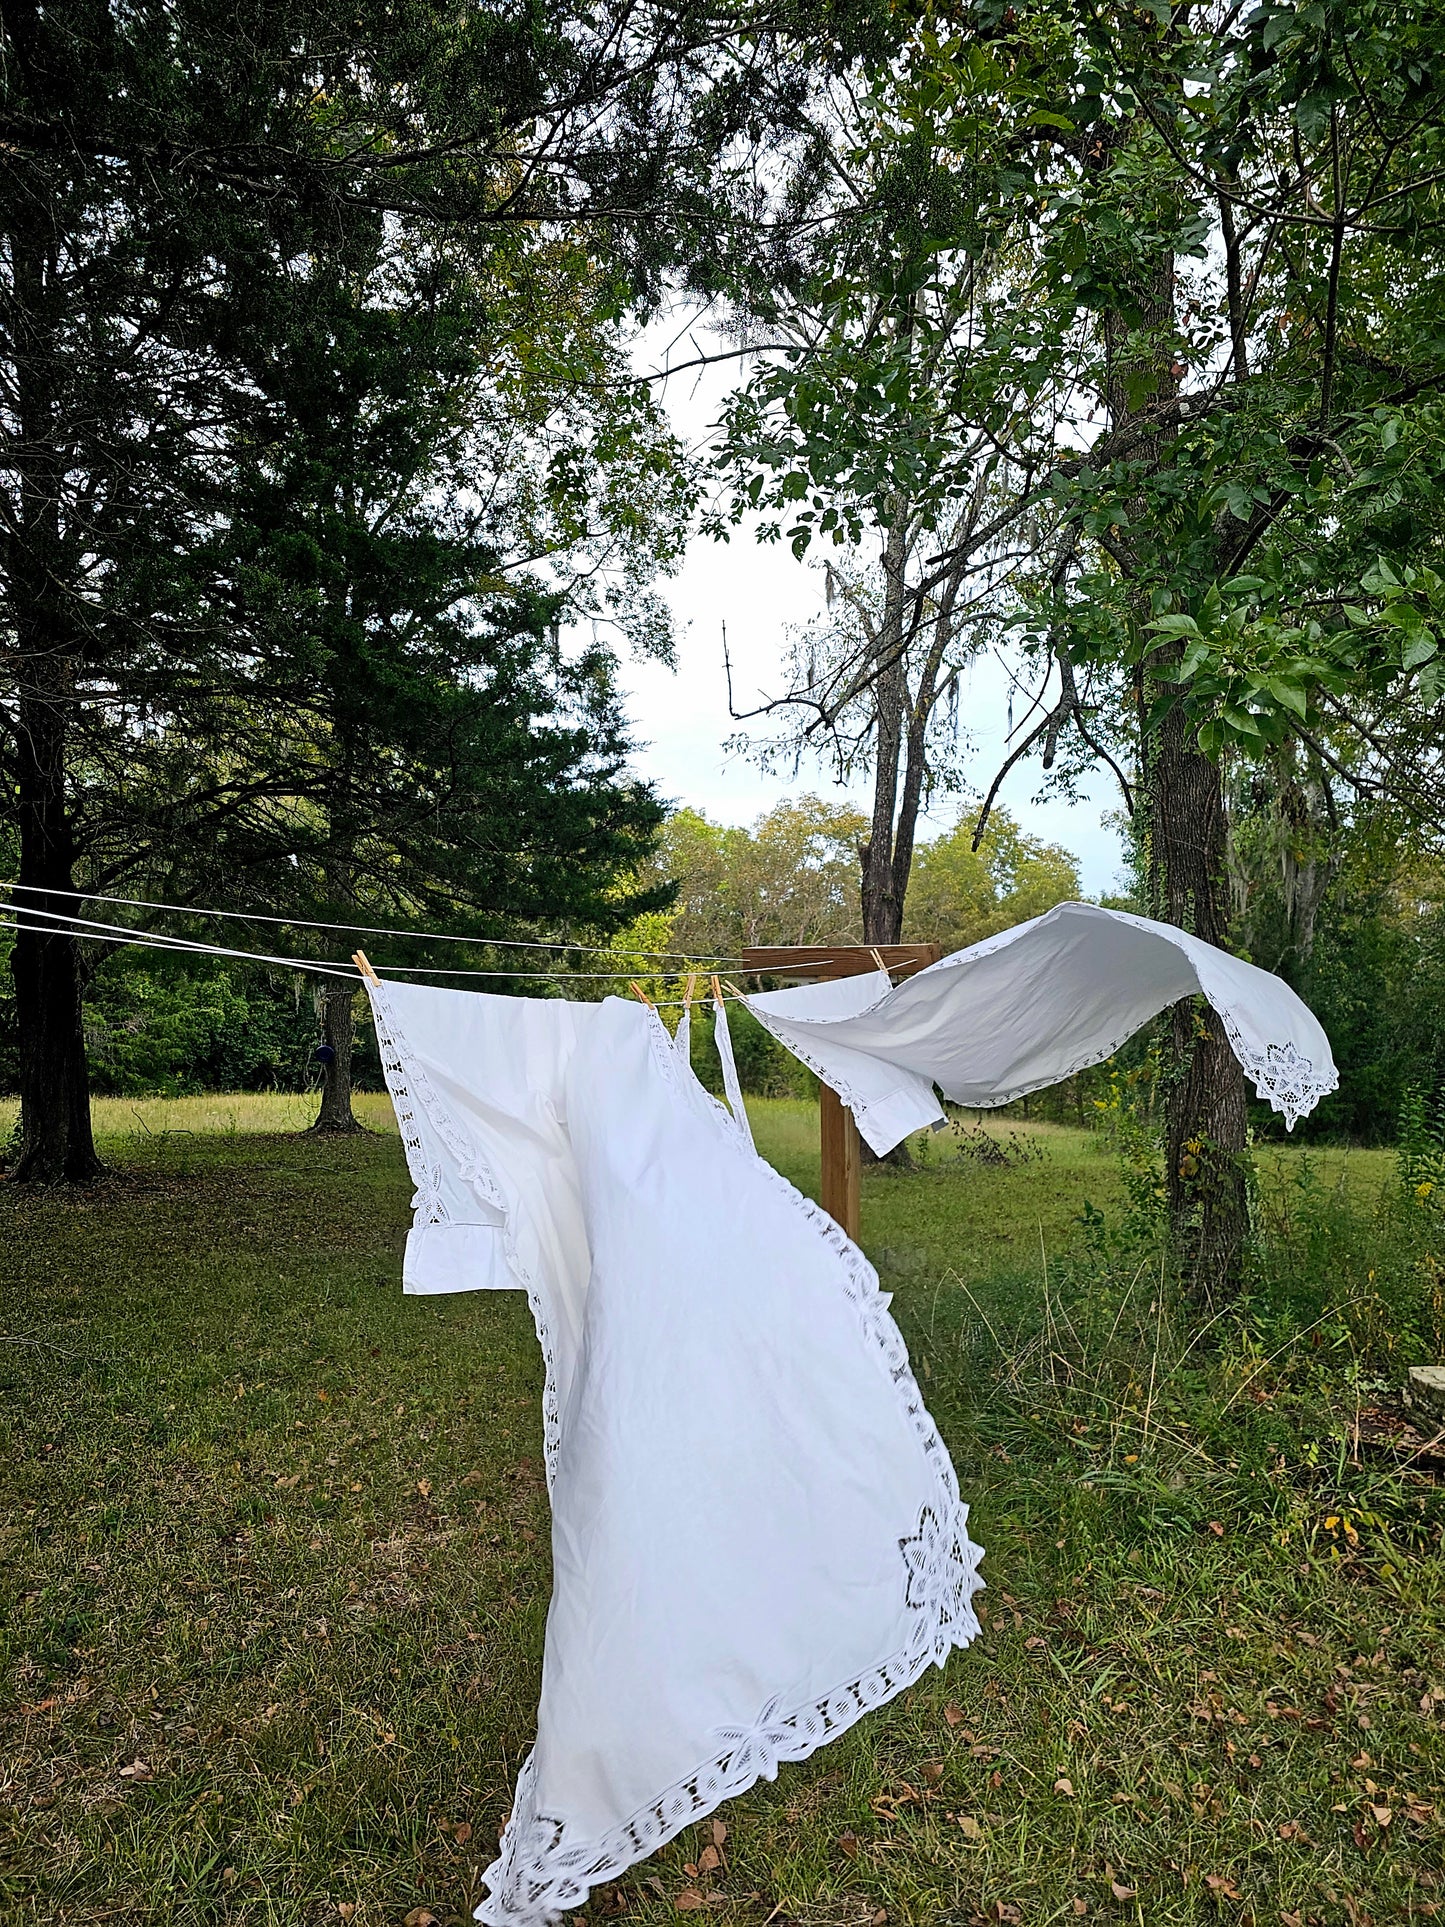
x: 1420, y: 648
x: 1288, y: 694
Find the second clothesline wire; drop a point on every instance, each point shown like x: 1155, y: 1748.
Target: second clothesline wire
x: 94, y: 930
x: 362, y: 929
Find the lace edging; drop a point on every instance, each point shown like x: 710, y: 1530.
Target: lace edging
x: 404, y: 1075
x: 840, y: 1086
x: 539, y: 1872
x: 1290, y: 1082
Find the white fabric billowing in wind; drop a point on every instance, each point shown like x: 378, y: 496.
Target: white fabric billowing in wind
x: 757, y: 1532
x: 1032, y: 1006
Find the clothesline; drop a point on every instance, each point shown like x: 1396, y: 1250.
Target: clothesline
x: 151, y: 941
x: 370, y: 929
x: 94, y: 930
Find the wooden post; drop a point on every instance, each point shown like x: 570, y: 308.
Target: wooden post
x: 842, y: 1160
x: 842, y: 1154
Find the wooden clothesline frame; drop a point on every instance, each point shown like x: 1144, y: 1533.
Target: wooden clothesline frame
x: 839, y: 1145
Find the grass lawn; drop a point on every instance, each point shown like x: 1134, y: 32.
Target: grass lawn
x: 274, y: 1567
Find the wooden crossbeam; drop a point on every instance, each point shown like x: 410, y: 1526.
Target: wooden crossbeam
x: 842, y: 1154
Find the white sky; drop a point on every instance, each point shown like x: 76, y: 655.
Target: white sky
x: 680, y: 718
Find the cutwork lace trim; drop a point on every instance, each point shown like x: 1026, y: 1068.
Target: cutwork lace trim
x: 1282, y: 1075
x: 405, y: 1080
x: 838, y: 1085
x: 539, y: 1871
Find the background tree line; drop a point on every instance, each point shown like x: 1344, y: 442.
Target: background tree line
x: 1369, y: 955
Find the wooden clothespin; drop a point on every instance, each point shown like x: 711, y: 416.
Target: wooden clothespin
x: 877, y: 956
x: 717, y: 991
x: 363, y: 964
x: 688, y: 990
x: 639, y: 993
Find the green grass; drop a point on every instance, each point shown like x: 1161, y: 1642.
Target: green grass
x: 275, y: 1572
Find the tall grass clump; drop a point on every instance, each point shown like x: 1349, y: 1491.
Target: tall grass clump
x: 1147, y: 1418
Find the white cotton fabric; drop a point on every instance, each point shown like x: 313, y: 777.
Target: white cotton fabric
x: 757, y: 1532
x: 1032, y: 1006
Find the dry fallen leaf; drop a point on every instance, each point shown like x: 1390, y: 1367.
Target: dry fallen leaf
x: 1220, y: 1883
x: 1292, y: 1830
x: 954, y: 1715
x: 421, y: 1917
x: 689, y: 1900
x: 1080, y: 1907
x: 462, y: 1833
x: 137, y: 1771
x: 719, y: 1833
x: 933, y: 1771
x: 424, y: 1487
x: 969, y: 1826
x: 848, y: 1844
x: 1066, y: 1787
x: 709, y: 1860
x: 1383, y: 1815
x: 880, y: 1919
x: 346, y: 1909
x: 1120, y: 1891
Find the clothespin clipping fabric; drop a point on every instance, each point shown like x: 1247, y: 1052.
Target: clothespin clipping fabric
x: 639, y: 993
x: 360, y: 959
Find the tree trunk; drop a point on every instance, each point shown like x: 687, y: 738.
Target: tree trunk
x: 883, y: 889
x: 1205, y: 1115
x: 1182, y: 803
x: 56, y: 1145
x: 337, y: 1031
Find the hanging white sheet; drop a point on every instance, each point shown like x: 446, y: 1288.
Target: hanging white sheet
x: 1030, y: 1007
x: 757, y: 1532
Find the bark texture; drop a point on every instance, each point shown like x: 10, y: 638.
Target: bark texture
x: 1186, y: 840
x: 1205, y: 1129
x: 338, y: 1029
x: 885, y: 865
x: 55, y: 1141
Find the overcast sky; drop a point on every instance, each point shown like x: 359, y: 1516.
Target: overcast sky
x: 680, y: 718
